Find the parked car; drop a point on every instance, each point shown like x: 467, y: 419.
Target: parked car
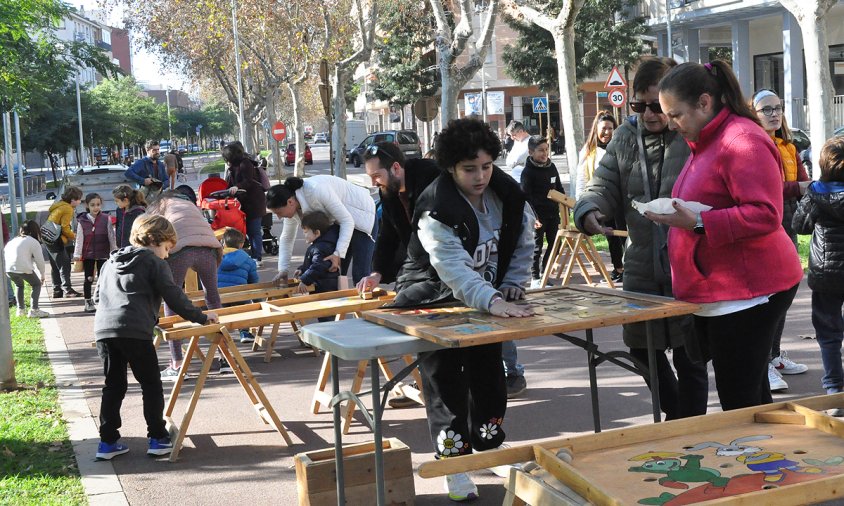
x: 290, y: 155
x: 182, y: 149
x: 321, y: 137
x: 194, y: 148
x: 406, y: 140
x: 4, y: 172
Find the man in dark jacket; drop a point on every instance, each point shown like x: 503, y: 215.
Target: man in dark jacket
x: 642, y: 162
x: 399, y: 183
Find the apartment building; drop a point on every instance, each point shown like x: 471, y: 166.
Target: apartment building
x: 77, y: 26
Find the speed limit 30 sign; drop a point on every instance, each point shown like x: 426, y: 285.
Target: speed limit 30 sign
x: 616, y: 97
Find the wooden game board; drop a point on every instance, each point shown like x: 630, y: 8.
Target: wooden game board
x: 782, y: 453
x: 560, y: 310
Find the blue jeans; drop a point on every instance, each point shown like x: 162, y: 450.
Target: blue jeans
x: 256, y: 238
x: 361, y: 248
x: 510, y: 355
x: 829, y: 331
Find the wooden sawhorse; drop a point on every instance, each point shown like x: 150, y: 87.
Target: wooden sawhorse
x: 570, y: 244
x: 221, y: 339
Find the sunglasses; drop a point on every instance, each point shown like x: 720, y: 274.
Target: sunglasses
x: 639, y: 107
x: 769, y: 111
x: 373, y: 151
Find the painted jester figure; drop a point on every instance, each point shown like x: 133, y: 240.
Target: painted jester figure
x: 472, y: 241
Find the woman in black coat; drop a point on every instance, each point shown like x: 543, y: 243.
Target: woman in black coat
x: 243, y: 175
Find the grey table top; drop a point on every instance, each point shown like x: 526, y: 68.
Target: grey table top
x: 357, y: 339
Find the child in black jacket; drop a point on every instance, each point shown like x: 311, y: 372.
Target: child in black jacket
x: 128, y: 297
x: 322, y: 237
x: 538, y: 178
x: 821, y: 213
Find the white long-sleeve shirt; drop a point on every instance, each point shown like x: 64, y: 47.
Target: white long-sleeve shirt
x: 23, y: 254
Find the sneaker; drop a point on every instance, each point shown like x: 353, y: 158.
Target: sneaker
x: 775, y: 380
x: 37, y: 313
x: 515, y: 386
x: 107, y: 451
x: 225, y: 367
x: 535, y: 283
x: 57, y: 295
x: 160, y: 446
x: 71, y: 294
x: 89, y: 306
x: 246, y: 337
x: 402, y: 401
x: 460, y: 487
x: 21, y: 312
x: 502, y: 471
x: 785, y: 365
x: 259, y: 263
x: 169, y: 374
x: 617, y: 276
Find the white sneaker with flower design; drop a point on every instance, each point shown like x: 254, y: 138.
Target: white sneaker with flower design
x: 460, y: 487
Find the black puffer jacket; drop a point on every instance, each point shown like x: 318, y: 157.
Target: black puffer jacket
x: 821, y: 213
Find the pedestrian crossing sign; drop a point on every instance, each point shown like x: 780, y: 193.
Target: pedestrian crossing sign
x: 540, y: 105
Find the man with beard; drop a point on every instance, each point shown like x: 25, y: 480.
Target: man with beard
x: 399, y: 183
x: 149, y: 172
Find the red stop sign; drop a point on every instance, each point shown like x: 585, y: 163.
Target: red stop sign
x: 279, y: 131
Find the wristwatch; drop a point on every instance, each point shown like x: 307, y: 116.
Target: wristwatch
x: 699, y: 225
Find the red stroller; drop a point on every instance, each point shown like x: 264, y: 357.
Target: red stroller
x: 221, y: 209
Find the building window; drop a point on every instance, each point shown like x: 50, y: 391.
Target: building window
x: 768, y: 72
x: 836, y: 68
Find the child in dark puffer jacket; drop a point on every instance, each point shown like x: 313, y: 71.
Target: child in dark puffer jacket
x: 821, y: 213
x: 237, y: 268
x: 322, y: 238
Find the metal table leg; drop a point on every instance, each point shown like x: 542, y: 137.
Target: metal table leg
x: 338, y: 432
x: 376, y: 429
x: 593, y: 381
x: 652, y: 371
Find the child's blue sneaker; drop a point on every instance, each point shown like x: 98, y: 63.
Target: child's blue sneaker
x: 106, y: 451
x: 246, y: 336
x: 160, y: 446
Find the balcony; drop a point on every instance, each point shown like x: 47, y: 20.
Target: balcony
x: 103, y: 45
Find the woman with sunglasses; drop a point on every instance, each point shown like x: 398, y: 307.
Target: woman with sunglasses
x: 768, y: 107
x: 641, y: 164
x: 347, y: 204
x: 735, y: 259
x: 590, y: 156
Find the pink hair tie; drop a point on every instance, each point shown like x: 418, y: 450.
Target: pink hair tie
x: 709, y: 68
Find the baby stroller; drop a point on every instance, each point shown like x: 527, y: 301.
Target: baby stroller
x: 220, y: 208
x: 269, y: 240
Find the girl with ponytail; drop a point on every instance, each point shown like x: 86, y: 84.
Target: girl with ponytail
x: 346, y: 204
x: 735, y: 260
x: 130, y: 204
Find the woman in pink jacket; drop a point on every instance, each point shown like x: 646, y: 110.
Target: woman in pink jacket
x: 196, y: 248
x: 735, y: 260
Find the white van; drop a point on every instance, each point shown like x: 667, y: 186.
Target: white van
x: 355, y: 134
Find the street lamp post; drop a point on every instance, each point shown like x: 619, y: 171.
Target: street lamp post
x: 243, y: 138
x: 82, y: 157
x: 169, y: 126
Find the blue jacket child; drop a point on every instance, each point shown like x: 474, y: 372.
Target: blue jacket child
x: 237, y: 268
x: 322, y: 236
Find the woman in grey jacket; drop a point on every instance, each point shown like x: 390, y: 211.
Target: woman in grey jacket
x: 641, y: 163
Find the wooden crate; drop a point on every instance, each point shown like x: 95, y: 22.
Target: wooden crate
x: 317, y: 479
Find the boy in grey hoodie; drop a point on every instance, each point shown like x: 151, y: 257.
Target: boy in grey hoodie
x: 129, y: 292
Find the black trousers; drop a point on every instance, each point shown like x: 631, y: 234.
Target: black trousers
x: 546, y: 233
x: 140, y: 355
x: 683, y: 395
x: 88, y: 266
x: 60, y: 263
x: 465, y: 398
x: 739, y: 345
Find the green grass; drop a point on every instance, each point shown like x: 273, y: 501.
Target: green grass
x: 30, y: 215
x: 37, y: 465
x: 218, y: 166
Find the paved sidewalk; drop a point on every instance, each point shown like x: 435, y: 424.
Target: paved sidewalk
x: 231, y: 458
